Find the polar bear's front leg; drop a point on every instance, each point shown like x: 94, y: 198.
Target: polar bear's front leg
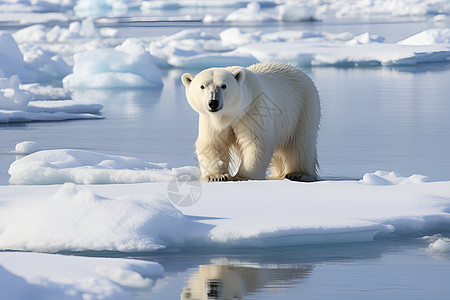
x: 256, y: 154
x: 212, y: 149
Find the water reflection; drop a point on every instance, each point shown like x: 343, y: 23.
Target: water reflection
x: 128, y: 102
x: 235, y: 281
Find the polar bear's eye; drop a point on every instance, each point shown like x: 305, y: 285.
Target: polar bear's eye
x: 202, y: 87
x: 224, y: 86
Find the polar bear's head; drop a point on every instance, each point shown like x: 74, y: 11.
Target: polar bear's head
x: 215, y: 91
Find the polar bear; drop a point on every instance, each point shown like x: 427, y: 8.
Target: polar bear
x: 265, y: 115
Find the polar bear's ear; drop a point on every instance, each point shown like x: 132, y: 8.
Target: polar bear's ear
x: 239, y: 74
x: 187, y: 78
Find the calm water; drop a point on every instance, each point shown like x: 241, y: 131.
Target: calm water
x: 372, y: 119
x: 393, y: 119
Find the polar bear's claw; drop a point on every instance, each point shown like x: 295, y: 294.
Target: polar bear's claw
x: 219, y: 177
x: 222, y: 177
x: 300, y: 177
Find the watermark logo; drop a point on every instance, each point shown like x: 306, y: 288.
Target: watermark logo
x: 184, y: 190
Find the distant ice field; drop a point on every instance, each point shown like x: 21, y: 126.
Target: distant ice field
x: 97, y: 140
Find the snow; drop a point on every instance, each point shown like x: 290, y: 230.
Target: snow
x: 81, y: 206
x: 102, y: 7
x: 390, y: 178
x: 11, y: 96
x: 295, y: 11
x: 15, y: 106
x: 11, y: 60
x: 85, y: 167
x: 75, y: 218
x: 141, y: 217
x: 45, y: 92
x: 195, y: 48
x: 428, y: 37
x: 251, y: 13
x: 45, y: 276
x: 329, y: 54
x: 25, y: 148
x: 39, y: 32
x: 126, y: 66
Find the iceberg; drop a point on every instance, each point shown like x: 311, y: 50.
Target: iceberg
x: 52, y: 276
x: 11, y: 60
x: 126, y: 66
x: 16, y: 106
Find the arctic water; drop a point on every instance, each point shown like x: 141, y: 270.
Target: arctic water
x: 378, y: 118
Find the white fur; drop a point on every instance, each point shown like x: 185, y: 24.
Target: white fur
x: 269, y: 115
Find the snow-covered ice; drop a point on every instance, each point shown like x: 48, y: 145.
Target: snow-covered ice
x: 140, y: 214
x: 140, y: 217
x: 25, y: 148
x: 195, y: 48
x: 126, y: 66
x: 428, y: 37
x: 11, y: 60
x: 45, y: 92
x: 40, y: 33
x: 44, y: 276
x: 16, y: 106
x: 85, y: 167
x: 75, y: 218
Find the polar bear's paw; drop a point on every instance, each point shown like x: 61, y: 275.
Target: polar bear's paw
x: 217, y: 177
x: 221, y: 177
x: 301, y: 177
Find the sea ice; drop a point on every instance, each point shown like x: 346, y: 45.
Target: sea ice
x: 11, y: 96
x: 251, y: 13
x: 15, y: 106
x: 103, y: 7
x: 51, y: 276
x: 140, y: 217
x: 200, y: 49
x: 85, y: 167
x: 126, y: 66
x: 45, y: 64
x: 196, y: 49
x: 26, y: 148
x: 390, y: 178
x: 75, y: 218
x: 11, y: 60
x: 428, y: 37
x: 332, y: 54
x: 42, y: 92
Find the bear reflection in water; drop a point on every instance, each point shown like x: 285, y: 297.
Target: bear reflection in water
x: 233, y: 282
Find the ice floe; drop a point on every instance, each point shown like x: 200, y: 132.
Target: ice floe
x: 126, y: 66
x: 25, y: 148
x: 428, y: 37
x: 76, y: 218
x: 11, y: 59
x: 103, y: 7
x: 330, y: 54
x: 15, y: 106
x: 234, y: 46
x: 85, y: 167
x: 51, y: 276
x: 141, y: 217
x: 196, y: 49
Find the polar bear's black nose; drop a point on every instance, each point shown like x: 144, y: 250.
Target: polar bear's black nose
x: 213, y: 104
